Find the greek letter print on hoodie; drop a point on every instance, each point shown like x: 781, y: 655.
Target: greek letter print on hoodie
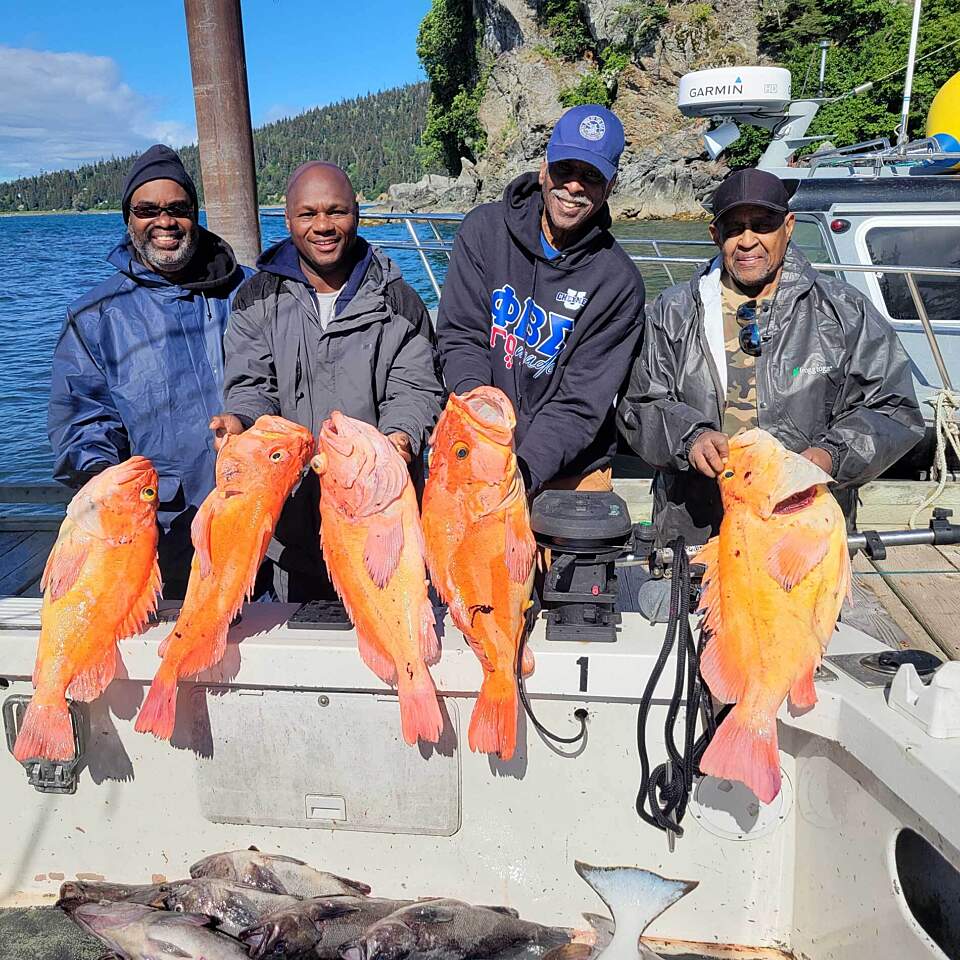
x: 557, y: 336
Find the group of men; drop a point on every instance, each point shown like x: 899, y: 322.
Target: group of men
x: 182, y: 346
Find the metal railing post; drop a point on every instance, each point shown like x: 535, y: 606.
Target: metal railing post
x: 426, y: 263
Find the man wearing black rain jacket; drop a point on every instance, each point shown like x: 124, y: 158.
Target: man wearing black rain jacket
x: 542, y: 302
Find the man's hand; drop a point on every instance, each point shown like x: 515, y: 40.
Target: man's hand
x: 403, y: 444
x: 708, y: 453
x: 224, y: 425
x: 820, y: 457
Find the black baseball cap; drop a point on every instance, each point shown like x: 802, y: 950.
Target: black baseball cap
x: 750, y: 187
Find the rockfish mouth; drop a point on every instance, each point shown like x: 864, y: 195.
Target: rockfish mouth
x: 333, y: 434
x: 796, y: 502
x: 491, y: 412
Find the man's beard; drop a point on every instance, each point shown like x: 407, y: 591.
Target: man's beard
x: 166, y: 261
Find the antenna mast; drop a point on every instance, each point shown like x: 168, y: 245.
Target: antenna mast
x: 908, y: 82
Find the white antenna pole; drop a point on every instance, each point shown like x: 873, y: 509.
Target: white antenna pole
x: 908, y: 82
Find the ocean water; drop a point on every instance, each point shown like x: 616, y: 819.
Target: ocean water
x: 47, y: 261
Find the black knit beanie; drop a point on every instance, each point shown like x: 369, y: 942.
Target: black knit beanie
x: 158, y: 163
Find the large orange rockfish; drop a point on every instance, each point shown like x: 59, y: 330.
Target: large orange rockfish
x: 480, y: 551
x: 373, y: 547
x: 256, y: 470
x: 776, y: 578
x: 101, y: 582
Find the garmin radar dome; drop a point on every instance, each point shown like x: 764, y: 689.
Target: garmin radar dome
x: 727, y: 93
x: 943, y: 124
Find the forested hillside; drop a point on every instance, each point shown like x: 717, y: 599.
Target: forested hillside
x: 375, y: 138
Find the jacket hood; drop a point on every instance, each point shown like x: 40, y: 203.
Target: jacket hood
x: 523, y: 211
x: 213, y: 268
x: 283, y: 260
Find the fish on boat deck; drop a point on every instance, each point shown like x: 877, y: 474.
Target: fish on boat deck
x: 100, y: 583
x: 134, y: 931
x: 317, y: 928
x: 275, y: 874
x: 447, y: 929
x: 256, y: 470
x: 776, y: 577
x: 480, y: 551
x: 373, y: 547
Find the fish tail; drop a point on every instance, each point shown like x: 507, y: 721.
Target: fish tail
x: 47, y: 731
x: 420, y: 716
x: 159, y: 711
x: 493, y: 725
x: 746, y: 751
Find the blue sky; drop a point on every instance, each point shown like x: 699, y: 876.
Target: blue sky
x: 90, y: 79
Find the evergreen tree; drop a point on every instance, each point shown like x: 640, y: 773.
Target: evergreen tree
x: 375, y: 138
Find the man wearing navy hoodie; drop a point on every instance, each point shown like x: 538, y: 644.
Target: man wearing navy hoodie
x: 542, y: 302
x: 327, y: 323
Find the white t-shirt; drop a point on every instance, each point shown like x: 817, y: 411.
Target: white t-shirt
x: 325, y: 306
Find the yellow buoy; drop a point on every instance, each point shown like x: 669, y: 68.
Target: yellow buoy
x: 943, y: 122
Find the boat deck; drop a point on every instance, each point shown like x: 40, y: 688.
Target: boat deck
x: 911, y: 599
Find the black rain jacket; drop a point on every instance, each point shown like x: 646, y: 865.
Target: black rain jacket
x: 831, y: 374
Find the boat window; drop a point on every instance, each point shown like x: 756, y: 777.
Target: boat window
x: 931, y: 887
x: 808, y: 236
x: 917, y: 246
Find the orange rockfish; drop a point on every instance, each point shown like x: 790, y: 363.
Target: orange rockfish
x: 100, y: 584
x: 480, y: 551
x: 373, y: 547
x: 776, y: 578
x: 256, y: 470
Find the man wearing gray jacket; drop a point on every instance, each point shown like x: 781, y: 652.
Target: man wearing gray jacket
x: 327, y: 323
x: 759, y: 338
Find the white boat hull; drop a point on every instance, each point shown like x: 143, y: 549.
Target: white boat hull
x: 302, y: 753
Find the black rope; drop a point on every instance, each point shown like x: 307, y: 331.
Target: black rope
x: 578, y: 714
x: 666, y: 789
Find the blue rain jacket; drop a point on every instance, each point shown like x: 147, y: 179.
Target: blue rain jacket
x: 138, y: 369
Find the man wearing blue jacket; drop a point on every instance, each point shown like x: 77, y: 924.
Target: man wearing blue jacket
x: 542, y: 302
x: 138, y: 368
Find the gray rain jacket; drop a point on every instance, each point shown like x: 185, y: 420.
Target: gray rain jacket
x: 376, y: 361
x: 832, y: 374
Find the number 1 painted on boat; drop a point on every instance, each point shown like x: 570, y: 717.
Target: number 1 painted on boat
x: 584, y: 664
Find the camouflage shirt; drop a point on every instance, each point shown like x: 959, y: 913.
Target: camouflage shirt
x: 740, y: 406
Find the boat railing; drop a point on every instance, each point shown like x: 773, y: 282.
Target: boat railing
x: 437, y: 244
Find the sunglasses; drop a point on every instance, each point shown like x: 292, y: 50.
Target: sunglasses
x: 179, y: 210
x: 749, y: 328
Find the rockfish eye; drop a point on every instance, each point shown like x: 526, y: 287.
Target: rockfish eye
x: 460, y: 451
x: 276, y: 456
x: 148, y: 494
x: 727, y: 474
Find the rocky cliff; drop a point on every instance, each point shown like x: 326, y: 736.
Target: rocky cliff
x: 663, y: 172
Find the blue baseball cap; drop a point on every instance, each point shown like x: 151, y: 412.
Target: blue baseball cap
x: 590, y: 133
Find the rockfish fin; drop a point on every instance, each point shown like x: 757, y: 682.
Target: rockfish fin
x: 65, y: 562
x: 802, y: 693
x: 381, y: 552
x: 429, y: 642
x: 635, y: 898
x: 420, y: 716
x: 521, y: 548
x: 159, y: 711
x: 794, y: 555
x: 143, y: 605
x: 47, y: 731
x: 493, y: 723
x: 376, y: 658
x: 740, y: 751
x: 709, y: 556
x: 200, y: 530
x: 89, y: 683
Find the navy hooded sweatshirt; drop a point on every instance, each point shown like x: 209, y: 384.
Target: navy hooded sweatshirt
x: 556, y: 335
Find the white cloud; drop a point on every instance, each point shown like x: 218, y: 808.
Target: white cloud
x: 60, y: 110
